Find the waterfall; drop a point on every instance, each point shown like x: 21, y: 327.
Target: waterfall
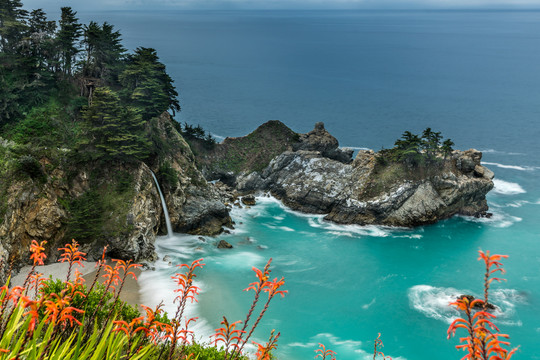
x: 164, y: 205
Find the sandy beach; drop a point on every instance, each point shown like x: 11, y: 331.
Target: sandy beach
x: 130, y: 292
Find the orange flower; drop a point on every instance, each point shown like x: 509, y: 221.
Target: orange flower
x: 323, y: 353
x: 37, y: 250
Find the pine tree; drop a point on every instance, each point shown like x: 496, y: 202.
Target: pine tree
x: 114, y: 131
x: 12, y: 25
x: 104, y: 51
x: 68, y: 39
x: 147, y: 84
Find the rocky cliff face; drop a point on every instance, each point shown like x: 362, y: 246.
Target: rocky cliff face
x: 122, y: 198
x: 319, y: 178
x: 194, y: 205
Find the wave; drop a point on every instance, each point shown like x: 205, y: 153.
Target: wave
x: 493, y: 151
x: 514, y: 167
x: 347, y: 348
x: 507, y: 188
x: 219, y: 138
x: 351, y: 230
x: 356, y: 148
x: 433, y: 302
x: 498, y: 219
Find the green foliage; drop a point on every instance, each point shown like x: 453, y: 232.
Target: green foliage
x: 147, y: 85
x: 28, y: 165
x: 205, y: 352
x: 114, y: 131
x: 47, y: 125
x: 86, y: 217
x: 415, y: 150
x: 90, y: 301
x: 125, y: 181
x: 104, y: 51
x: 68, y: 38
x: 167, y: 175
x: 190, y: 132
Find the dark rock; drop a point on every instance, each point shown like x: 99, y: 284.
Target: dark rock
x: 248, y: 200
x: 323, y: 142
x: 167, y: 258
x: 222, y: 244
x: 364, y: 193
x: 201, y: 239
x: 478, y: 305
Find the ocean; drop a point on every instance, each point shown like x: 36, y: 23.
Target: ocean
x: 369, y: 76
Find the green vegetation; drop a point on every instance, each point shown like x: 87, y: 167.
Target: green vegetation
x: 73, y: 86
x: 416, y: 150
x: 249, y: 153
x: 73, y: 99
x: 197, y: 133
x: 413, y: 158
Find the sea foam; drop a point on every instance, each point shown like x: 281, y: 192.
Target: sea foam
x: 507, y: 188
x: 434, y: 302
x: 513, y: 167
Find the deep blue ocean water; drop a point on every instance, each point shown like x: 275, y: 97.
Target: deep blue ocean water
x: 369, y: 76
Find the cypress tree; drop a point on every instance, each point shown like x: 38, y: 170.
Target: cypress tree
x: 68, y: 38
x: 104, y: 51
x: 115, y: 131
x: 147, y: 85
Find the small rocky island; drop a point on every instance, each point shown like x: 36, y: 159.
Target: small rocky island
x: 310, y: 173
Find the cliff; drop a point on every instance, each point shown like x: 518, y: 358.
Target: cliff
x: 315, y: 176
x: 47, y: 195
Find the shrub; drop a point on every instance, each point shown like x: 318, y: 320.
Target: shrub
x: 28, y: 165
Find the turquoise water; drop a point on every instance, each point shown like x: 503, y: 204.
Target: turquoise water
x: 369, y: 76
x: 347, y: 283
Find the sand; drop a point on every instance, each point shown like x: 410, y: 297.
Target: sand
x: 130, y: 292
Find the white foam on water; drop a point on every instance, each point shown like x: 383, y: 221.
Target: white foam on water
x: 238, y: 260
x: 279, y: 218
x: 219, y: 138
x: 493, y: 151
x: 433, y: 302
x: 367, y: 306
x: 286, y: 228
x: 351, y: 230
x: 354, y: 147
x: 507, y: 188
x: 157, y: 286
x: 499, y: 219
x: 513, y: 167
x: 340, y: 346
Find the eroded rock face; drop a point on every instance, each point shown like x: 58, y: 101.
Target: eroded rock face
x: 39, y: 212
x: 194, y: 204
x: 131, y: 217
x: 322, y: 141
x: 364, y: 193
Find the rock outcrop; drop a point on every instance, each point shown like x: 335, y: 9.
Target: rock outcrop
x: 316, y: 177
x: 194, y: 204
x: 122, y: 196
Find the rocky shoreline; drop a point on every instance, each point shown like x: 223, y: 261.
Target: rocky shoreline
x: 307, y: 172
x: 316, y: 176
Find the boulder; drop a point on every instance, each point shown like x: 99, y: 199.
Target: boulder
x: 248, y: 200
x: 222, y: 244
x: 323, y: 142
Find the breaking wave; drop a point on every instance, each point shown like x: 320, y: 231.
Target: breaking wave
x: 433, y: 302
x: 513, y: 167
x: 507, y: 188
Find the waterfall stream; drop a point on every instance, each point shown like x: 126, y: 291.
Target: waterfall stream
x: 164, y: 205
